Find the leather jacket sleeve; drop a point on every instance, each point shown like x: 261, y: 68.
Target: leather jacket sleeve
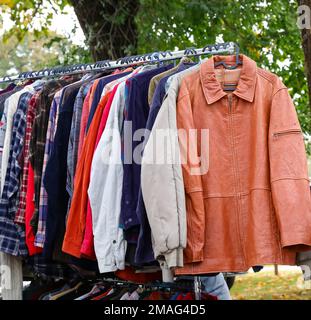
x: 289, y: 174
x: 191, y: 167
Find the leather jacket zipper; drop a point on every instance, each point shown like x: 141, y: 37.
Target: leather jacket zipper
x: 230, y: 102
x: 286, y: 132
x: 236, y: 174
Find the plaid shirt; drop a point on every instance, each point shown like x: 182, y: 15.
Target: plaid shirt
x: 12, y: 236
x: 73, y: 144
x: 38, y: 137
x: 43, y: 201
x: 42, y: 212
x: 30, y: 117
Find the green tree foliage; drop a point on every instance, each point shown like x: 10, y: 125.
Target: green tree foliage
x: 24, y: 12
x: 33, y: 53
x: 265, y: 30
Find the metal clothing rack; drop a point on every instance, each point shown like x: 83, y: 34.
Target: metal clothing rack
x: 154, y: 284
x: 160, y: 56
x: 14, y: 277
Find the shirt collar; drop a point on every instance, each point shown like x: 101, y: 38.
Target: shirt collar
x: 212, y: 88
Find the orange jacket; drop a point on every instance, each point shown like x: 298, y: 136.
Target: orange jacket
x: 247, y: 198
x: 77, y: 215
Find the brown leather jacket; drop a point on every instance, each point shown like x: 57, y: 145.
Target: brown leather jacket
x: 253, y: 205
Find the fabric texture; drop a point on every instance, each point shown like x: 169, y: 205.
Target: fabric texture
x: 38, y: 138
x: 101, y: 83
x: 7, y: 119
x: 144, y: 252
x: 83, y: 121
x: 73, y: 144
x: 216, y: 286
x: 12, y: 235
x: 154, y: 82
x: 30, y: 116
x: 136, y: 114
x: 75, y: 231
x: 55, y: 175
x: 30, y: 208
x: 105, y: 189
x: 256, y: 201
x: 161, y: 178
x: 49, y: 143
x: 87, y: 247
x: 5, y: 95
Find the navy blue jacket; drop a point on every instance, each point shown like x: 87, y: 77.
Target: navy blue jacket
x: 137, y: 112
x: 56, y: 174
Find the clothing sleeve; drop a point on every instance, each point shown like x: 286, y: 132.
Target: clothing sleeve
x: 191, y: 166
x: 13, y: 103
x: 104, y: 192
x: 162, y: 187
x: 289, y: 174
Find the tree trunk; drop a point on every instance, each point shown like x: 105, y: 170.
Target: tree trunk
x: 109, y: 26
x: 306, y: 44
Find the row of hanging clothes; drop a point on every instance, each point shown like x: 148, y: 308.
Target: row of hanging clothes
x: 52, y: 123
x: 100, y: 172
x: 111, y: 290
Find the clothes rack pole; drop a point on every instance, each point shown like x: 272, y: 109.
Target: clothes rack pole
x: 12, y: 278
x: 161, y: 56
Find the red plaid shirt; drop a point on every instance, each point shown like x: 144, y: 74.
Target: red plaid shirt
x: 30, y: 117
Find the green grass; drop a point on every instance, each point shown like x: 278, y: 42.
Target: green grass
x: 267, y: 286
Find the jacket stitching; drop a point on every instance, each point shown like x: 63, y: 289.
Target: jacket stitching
x: 183, y: 96
x: 238, y: 186
x: 278, y: 90
x: 230, y: 195
x: 174, y: 176
x: 289, y: 178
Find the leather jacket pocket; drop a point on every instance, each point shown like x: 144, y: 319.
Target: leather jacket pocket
x: 278, y: 134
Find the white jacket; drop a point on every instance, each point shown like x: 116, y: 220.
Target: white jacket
x: 105, y: 190
x: 162, y: 181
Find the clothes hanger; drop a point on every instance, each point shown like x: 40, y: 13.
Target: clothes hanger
x: 237, y: 60
x: 231, y: 86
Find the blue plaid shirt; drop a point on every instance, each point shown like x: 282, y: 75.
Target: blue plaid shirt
x: 73, y: 144
x: 12, y: 235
